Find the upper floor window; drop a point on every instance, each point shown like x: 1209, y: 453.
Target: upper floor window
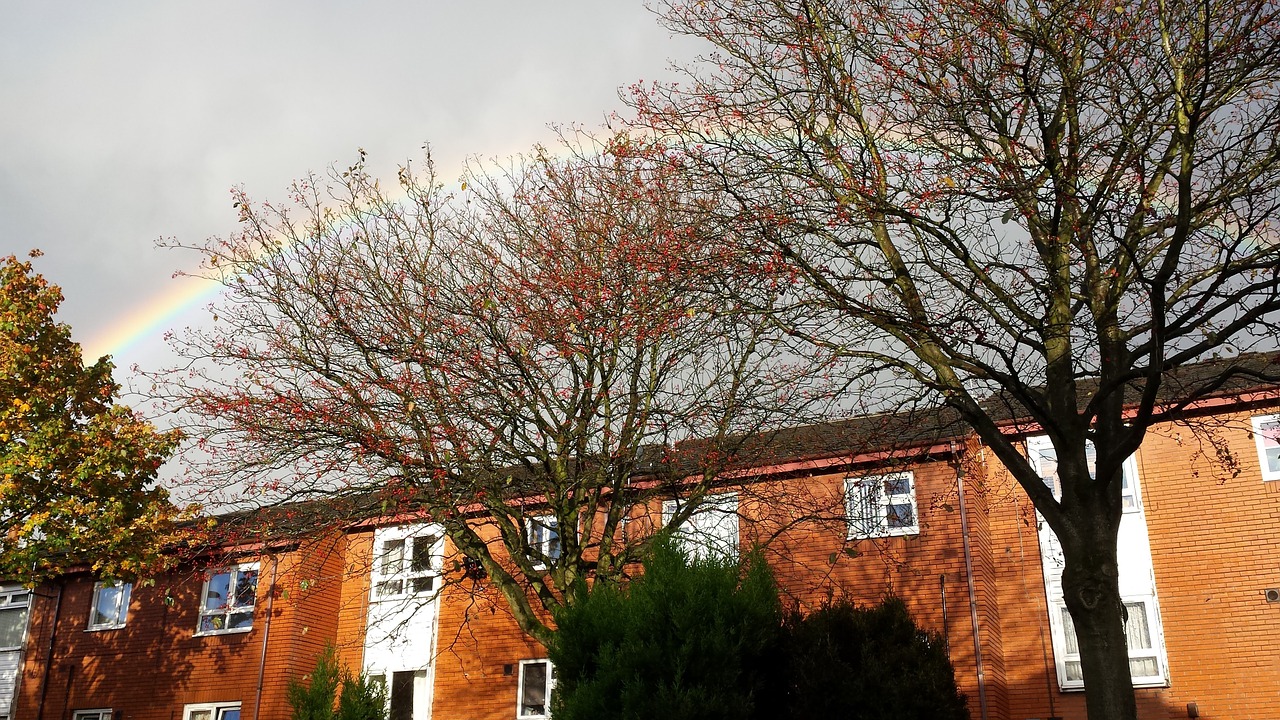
x: 228, y: 600
x: 1266, y: 433
x: 110, y: 608
x: 1044, y: 457
x: 95, y: 714
x: 881, y: 505
x: 407, y: 565
x: 712, y: 529
x: 544, y: 539
x: 537, y: 680
x: 14, y: 603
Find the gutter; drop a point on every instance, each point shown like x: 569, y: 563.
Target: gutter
x: 48, y: 657
x: 266, y: 635
x: 973, y: 596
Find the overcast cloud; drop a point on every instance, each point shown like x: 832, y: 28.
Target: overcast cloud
x: 122, y: 122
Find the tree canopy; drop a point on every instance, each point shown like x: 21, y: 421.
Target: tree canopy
x: 77, y: 472
x: 505, y: 359
x: 1024, y: 210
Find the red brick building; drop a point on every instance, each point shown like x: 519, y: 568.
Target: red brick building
x: 937, y: 522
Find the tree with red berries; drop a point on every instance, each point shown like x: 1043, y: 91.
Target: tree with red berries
x: 1033, y: 212
x: 521, y: 361
x: 77, y: 472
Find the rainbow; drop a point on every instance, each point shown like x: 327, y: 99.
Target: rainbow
x: 152, y: 318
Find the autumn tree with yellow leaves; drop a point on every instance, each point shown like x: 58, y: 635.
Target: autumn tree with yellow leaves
x: 77, y: 472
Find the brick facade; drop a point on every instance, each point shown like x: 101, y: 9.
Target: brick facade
x: 1211, y: 519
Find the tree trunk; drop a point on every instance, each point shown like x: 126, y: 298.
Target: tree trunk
x: 1091, y: 588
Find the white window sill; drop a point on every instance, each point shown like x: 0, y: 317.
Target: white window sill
x: 231, y: 631
x: 901, y: 532
x: 100, y: 628
x: 1143, y: 684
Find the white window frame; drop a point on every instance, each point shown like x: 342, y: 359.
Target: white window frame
x: 868, y: 517
x: 118, y: 615
x: 543, y: 535
x: 217, y: 710
x: 391, y: 583
x: 230, y: 608
x: 1130, y: 489
x: 1064, y: 637
x: 550, y: 686
x: 711, y: 531
x: 92, y: 714
x: 16, y: 599
x: 1260, y: 434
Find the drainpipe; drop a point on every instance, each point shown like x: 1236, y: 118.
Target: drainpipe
x: 266, y: 634
x: 48, y: 657
x: 973, y: 595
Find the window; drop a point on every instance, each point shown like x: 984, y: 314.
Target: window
x: 227, y: 607
x: 1266, y: 433
x: 407, y: 565
x: 544, y: 540
x: 110, y: 606
x: 13, y: 617
x: 881, y: 505
x: 95, y: 714
x: 1144, y: 654
x: 537, y: 680
x: 212, y: 711
x: 1044, y: 457
x: 712, y: 529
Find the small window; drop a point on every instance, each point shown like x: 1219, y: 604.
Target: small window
x: 110, y: 608
x: 407, y: 566
x: 712, y: 529
x: 212, y: 711
x: 881, y: 505
x: 537, y: 680
x: 1266, y: 433
x: 544, y: 540
x: 95, y: 714
x: 227, y: 607
x: 1144, y: 655
x: 14, y: 603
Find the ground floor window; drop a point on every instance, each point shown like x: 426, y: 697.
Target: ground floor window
x: 1144, y: 650
x: 212, y: 711
x: 402, y: 692
x: 537, y: 679
x: 95, y: 714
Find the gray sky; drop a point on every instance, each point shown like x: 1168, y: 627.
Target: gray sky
x: 126, y: 121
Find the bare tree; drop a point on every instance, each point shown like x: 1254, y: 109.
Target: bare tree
x: 1036, y: 211
x: 518, y: 360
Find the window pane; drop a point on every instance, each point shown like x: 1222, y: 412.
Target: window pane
x: 106, y: 606
x: 402, y: 695
x: 424, y: 584
x: 1143, y: 667
x: 897, y: 485
x: 1137, y: 635
x: 246, y: 587
x: 421, y: 560
x: 1074, y: 673
x: 900, y: 516
x: 240, y: 620
x: 1069, y: 630
x: 219, y: 587
x: 218, y: 594
x: 533, y: 690
x: 229, y: 714
x: 212, y: 623
x: 13, y: 623
x: 392, y: 557
x: 390, y: 587
x: 200, y: 715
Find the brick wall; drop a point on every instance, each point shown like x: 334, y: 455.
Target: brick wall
x: 152, y: 667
